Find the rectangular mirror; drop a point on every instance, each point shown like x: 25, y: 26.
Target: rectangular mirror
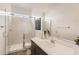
x: 38, y: 24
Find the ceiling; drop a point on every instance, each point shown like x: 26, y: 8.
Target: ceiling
x: 44, y: 4
x: 39, y: 8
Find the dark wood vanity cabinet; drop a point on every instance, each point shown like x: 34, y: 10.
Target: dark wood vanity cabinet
x: 36, y: 50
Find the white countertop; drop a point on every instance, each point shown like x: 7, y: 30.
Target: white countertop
x: 59, y: 48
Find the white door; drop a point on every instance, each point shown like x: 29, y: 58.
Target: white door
x: 2, y: 34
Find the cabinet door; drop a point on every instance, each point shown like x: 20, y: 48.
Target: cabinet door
x: 33, y: 48
x: 36, y: 50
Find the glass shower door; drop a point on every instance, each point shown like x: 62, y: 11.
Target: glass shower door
x: 2, y: 33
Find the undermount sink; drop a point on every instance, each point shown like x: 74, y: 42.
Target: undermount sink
x: 48, y: 39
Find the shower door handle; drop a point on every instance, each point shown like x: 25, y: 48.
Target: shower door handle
x: 23, y: 40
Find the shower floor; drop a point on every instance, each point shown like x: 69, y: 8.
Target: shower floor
x: 22, y: 52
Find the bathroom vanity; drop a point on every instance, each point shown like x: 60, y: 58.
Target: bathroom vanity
x: 36, y: 50
x: 47, y: 47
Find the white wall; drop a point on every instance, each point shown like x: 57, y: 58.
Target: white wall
x: 64, y: 16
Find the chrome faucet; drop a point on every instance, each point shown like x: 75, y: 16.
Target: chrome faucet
x: 46, y: 33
